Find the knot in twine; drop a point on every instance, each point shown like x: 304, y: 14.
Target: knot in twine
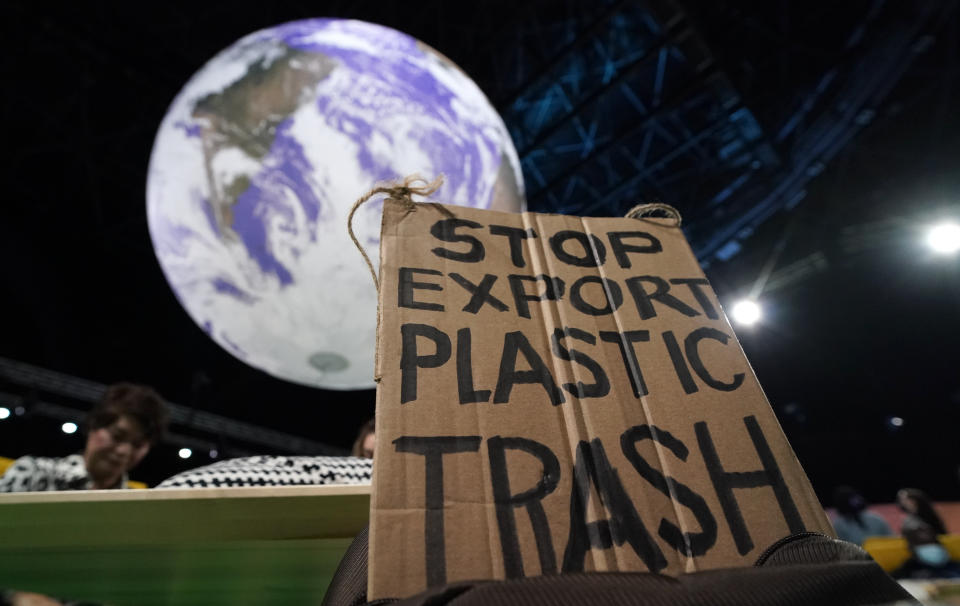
x: 401, y: 192
x: 643, y: 210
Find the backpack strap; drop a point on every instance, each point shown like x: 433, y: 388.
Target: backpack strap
x: 811, y: 548
x: 349, y: 584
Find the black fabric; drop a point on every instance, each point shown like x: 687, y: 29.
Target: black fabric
x: 811, y: 548
x: 349, y: 584
x: 802, y: 569
x: 842, y: 584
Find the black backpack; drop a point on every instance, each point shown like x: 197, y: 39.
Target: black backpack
x: 802, y: 569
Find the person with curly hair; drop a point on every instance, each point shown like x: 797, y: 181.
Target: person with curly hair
x: 121, y: 429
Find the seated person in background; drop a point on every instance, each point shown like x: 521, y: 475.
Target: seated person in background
x: 920, y: 528
x: 272, y: 470
x: 922, y: 519
x: 853, y: 522
x: 122, y: 427
x: 366, y: 440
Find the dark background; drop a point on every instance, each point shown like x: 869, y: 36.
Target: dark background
x: 807, y: 144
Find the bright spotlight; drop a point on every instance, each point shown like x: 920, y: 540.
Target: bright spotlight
x: 746, y: 312
x: 69, y: 427
x: 4, y: 413
x: 896, y: 421
x: 944, y: 238
x: 185, y: 453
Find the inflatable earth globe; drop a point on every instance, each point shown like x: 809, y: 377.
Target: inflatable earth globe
x: 259, y: 159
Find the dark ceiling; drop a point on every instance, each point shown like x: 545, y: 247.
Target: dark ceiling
x: 807, y: 145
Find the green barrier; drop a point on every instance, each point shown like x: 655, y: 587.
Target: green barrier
x: 205, y: 546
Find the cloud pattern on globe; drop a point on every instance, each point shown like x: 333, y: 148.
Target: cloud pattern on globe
x: 259, y: 159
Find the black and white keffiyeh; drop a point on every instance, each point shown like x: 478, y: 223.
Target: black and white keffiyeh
x: 275, y: 471
x: 33, y: 474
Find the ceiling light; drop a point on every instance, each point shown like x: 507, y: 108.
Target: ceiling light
x: 746, y: 312
x: 185, y: 453
x: 944, y: 238
x: 69, y: 427
x: 4, y: 413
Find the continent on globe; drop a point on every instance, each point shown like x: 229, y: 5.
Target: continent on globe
x: 246, y: 114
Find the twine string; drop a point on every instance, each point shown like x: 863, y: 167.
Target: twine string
x: 643, y: 210
x: 402, y: 192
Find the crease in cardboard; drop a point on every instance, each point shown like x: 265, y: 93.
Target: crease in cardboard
x: 691, y: 562
x: 607, y: 559
x: 573, y: 433
x: 681, y: 521
x: 617, y: 320
x: 616, y: 553
x: 537, y: 257
x: 492, y: 527
x: 481, y: 430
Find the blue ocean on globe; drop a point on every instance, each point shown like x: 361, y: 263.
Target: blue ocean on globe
x: 259, y: 159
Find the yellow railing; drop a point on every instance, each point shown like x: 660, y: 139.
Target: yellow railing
x: 893, y: 552
x: 4, y: 464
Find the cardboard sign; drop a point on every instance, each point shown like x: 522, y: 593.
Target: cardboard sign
x: 563, y: 394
